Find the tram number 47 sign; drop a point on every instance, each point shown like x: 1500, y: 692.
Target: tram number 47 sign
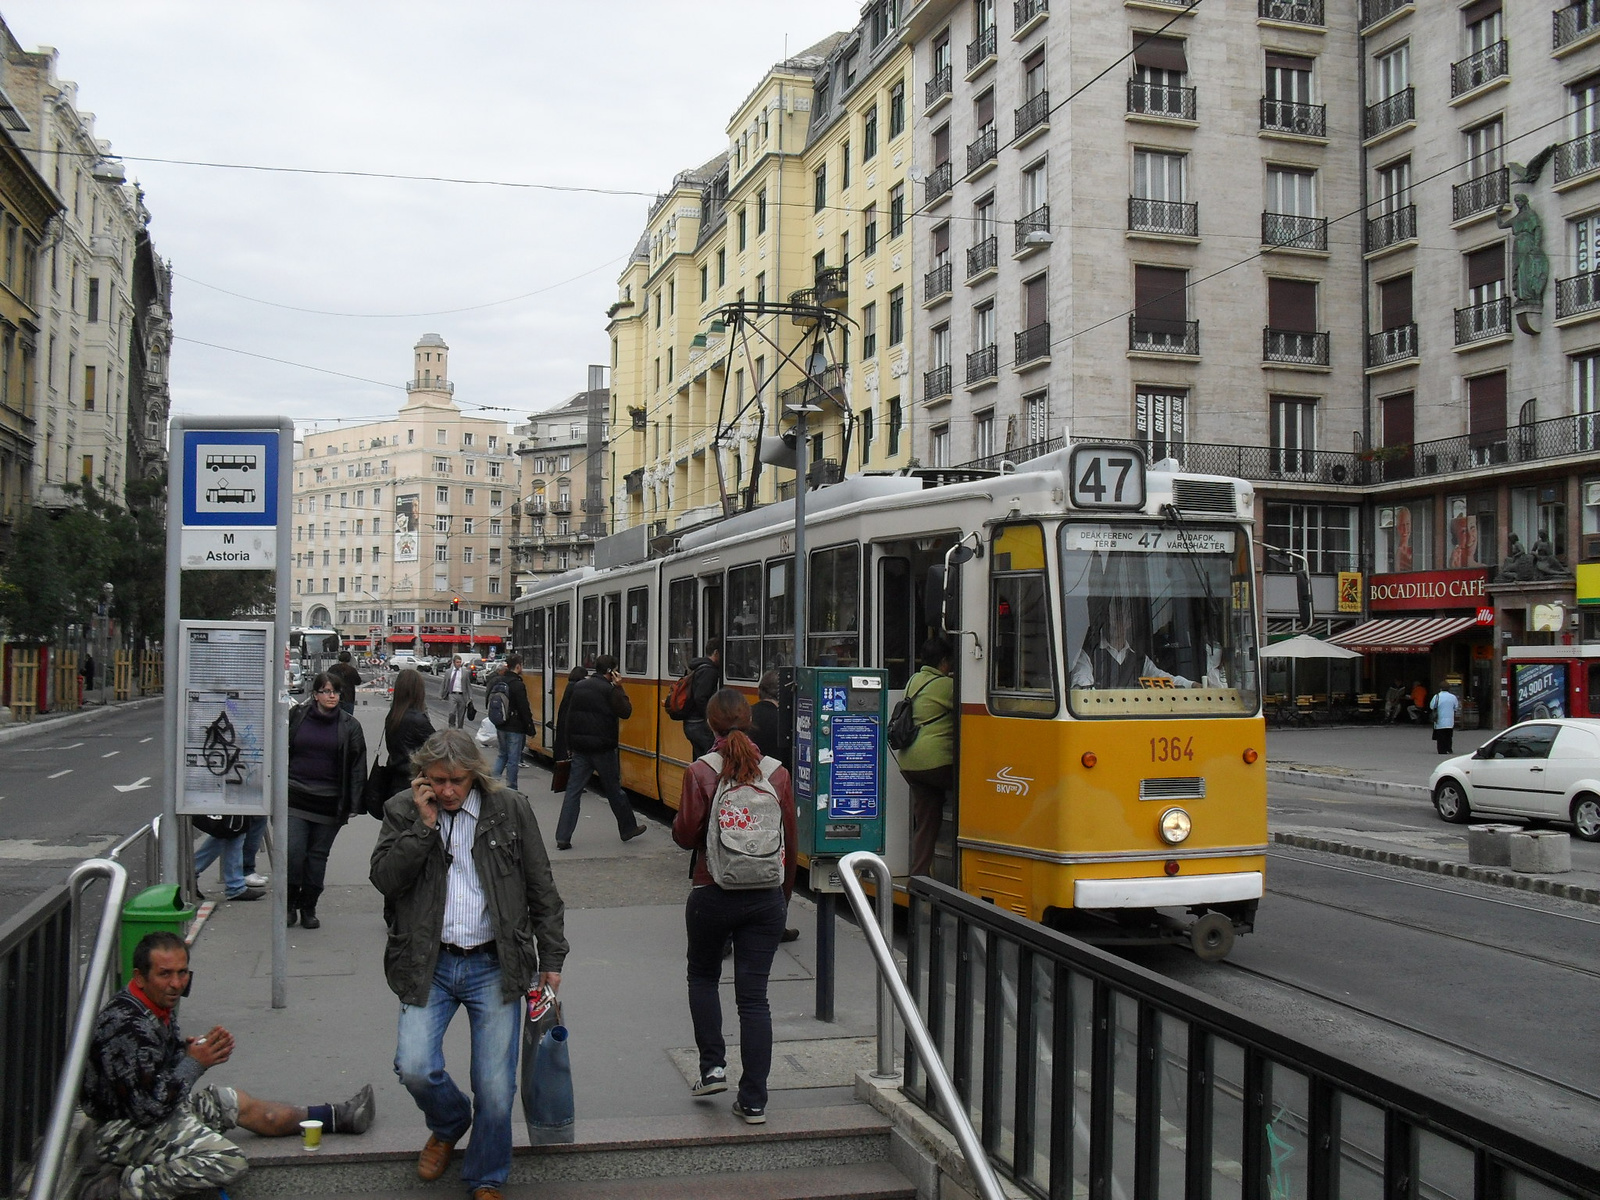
x: 1103, y: 476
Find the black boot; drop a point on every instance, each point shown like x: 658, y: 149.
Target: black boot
x: 309, y: 919
x: 308, y: 908
x: 294, y: 906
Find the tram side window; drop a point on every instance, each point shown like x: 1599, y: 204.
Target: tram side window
x: 589, y: 634
x: 562, y: 636
x: 536, y: 639
x: 741, y: 644
x: 681, y: 624
x: 778, y: 623
x: 635, y: 646
x: 611, y: 627
x: 834, y: 637
x: 1021, y: 679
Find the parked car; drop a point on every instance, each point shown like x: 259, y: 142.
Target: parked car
x: 428, y: 665
x: 402, y: 659
x: 1537, y: 771
x: 297, y: 680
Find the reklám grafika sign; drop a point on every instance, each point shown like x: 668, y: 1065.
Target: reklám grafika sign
x: 1427, y: 589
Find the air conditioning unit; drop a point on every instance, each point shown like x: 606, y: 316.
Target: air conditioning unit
x: 1591, y: 546
x: 1591, y: 495
x: 1386, y: 518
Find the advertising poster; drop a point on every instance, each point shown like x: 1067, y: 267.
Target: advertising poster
x: 405, y: 528
x: 1541, y: 691
x: 225, y: 673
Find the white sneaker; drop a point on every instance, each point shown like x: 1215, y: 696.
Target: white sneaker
x: 259, y: 881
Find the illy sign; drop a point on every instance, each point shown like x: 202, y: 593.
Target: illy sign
x: 1427, y: 589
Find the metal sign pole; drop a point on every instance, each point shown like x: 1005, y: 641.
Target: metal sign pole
x: 280, y: 744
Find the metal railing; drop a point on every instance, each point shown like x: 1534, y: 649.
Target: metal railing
x: 983, y: 364
x: 1573, y: 22
x: 985, y: 149
x: 1292, y: 232
x: 938, y: 282
x: 1397, y: 226
x: 1161, y: 100
x: 1392, y: 345
x: 1577, y: 294
x: 1038, y: 221
x: 1293, y: 12
x: 1034, y: 113
x: 936, y: 383
x: 1577, y: 157
x: 1373, y: 11
x: 940, y: 180
x: 1294, y: 346
x: 1023, y: 11
x: 1291, y: 116
x: 1478, y: 69
x: 983, y: 257
x: 879, y: 934
x: 436, y: 385
x: 1163, y: 216
x: 1032, y: 343
x: 1485, y: 193
x: 1266, y: 463
x: 1158, y: 335
x: 1085, y: 1074
x: 938, y: 87
x: 982, y: 47
x: 1478, y: 321
x: 1383, y: 115
x: 1557, y: 437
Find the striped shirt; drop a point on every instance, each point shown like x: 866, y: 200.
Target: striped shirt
x: 466, y: 910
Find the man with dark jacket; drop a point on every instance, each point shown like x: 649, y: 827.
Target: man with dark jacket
x: 348, y: 679
x: 513, y: 731
x: 595, y: 706
x: 707, y: 678
x: 474, y: 920
x: 159, y: 1134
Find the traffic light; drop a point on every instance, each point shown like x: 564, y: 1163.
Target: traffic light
x: 455, y: 604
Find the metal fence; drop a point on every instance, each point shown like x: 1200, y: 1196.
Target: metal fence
x: 1383, y: 115
x: 1397, y: 226
x: 1085, y: 1075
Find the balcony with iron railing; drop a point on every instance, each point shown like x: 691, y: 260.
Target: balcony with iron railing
x: 1578, y: 294
x: 1013, y: 454
x: 937, y: 88
x: 1295, y: 347
x: 983, y: 150
x: 937, y: 282
x: 1391, y: 228
x: 1383, y: 115
x: 1577, y: 157
x: 1492, y: 318
x: 1159, y: 335
x: 1032, y: 344
x: 1391, y: 346
x: 1175, y: 217
x: 982, y: 48
x: 1023, y: 11
x: 1575, y: 21
x: 561, y: 508
x: 832, y: 287
x: 1289, y: 116
x: 936, y: 383
x: 1291, y: 232
x: 1291, y: 12
x: 1373, y: 11
x: 983, y: 364
x: 1160, y: 100
x: 431, y: 385
x: 1033, y: 230
x: 1035, y: 114
x: 939, y: 182
x: 984, y: 256
x: 1484, y: 194
x: 1487, y: 65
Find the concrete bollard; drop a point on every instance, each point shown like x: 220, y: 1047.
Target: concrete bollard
x: 1490, y: 845
x: 1542, y: 853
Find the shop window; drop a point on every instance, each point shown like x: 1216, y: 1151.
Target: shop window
x: 1538, y: 514
x: 1405, y: 536
x: 1472, y: 531
x: 1324, y: 533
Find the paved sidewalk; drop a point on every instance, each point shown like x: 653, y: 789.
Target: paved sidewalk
x: 623, y: 989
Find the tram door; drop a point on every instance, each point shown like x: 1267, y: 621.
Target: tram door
x: 536, y: 672
x: 905, y: 621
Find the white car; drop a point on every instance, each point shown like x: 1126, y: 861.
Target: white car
x: 1538, y: 771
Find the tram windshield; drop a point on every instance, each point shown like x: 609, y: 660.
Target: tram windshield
x: 1159, y: 621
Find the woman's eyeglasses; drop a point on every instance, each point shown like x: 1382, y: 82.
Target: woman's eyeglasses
x: 327, y: 691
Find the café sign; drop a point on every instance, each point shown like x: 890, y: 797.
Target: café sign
x: 1427, y: 589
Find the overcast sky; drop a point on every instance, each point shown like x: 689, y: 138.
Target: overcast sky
x: 617, y: 96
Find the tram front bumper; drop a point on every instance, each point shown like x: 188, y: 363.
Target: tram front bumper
x: 1167, y: 892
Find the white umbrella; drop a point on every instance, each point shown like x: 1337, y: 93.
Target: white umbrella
x: 1306, y: 646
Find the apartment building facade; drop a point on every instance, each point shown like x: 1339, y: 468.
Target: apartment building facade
x: 403, y: 527
x: 563, y: 510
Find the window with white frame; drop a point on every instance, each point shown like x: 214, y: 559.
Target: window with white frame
x: 983, y: 434
x: 1158, y: 175
x: 1291, y: 191
x: 1391, y: 72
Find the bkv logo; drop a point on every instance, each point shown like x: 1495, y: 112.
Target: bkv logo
x: 1007, y: 784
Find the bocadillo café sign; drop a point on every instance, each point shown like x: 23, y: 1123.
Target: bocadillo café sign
x: 1427, y: 589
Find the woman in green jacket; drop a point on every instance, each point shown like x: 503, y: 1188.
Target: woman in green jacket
x: 928, y: 764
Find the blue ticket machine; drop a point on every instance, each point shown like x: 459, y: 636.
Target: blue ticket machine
x: 840, y: 751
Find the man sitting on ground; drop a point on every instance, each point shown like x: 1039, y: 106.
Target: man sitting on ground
x: 159, y: 1136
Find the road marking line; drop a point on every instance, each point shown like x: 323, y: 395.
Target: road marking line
x: 74, y: 746
x: 113, y: 754
x: 59, y: 774
x: 142, y: 782
x: 142, y: 741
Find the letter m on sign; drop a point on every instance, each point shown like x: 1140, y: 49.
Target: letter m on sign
x: 227, y: 539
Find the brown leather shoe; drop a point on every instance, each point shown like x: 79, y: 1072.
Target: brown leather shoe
x: 486, y: 1193
x: 435, y: 1157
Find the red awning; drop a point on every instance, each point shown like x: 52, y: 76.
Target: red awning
x: 1401, y: 635
x: 401, y: 639
x: 360, y: 643
x: 462, y: 639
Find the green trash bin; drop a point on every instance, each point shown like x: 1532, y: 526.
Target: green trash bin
x: 158, y: 907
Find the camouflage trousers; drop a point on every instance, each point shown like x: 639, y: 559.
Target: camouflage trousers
x: 185, y: 1153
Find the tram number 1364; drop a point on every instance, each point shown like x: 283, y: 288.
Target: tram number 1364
x: 1172, y: 749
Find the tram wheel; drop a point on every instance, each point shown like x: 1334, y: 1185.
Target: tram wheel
x: 1211, y: 937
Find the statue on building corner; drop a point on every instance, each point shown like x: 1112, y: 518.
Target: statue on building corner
x: 1545, y: 563
x: 1518, y: 566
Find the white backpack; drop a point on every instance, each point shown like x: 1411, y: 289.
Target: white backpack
x: 744, y: 834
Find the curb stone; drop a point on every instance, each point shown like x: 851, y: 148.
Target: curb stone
x: 1527, y: 883
x: 1348, y: 783
x: 83, y: 716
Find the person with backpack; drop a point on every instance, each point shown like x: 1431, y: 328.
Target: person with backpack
x: 348, y: 678
x: 736, y: 813
x: 592, y: 712
x: 506, y: 706
x: 705, y: 677
x: 928, y: 762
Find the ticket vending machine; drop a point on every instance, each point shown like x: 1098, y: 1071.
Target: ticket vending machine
x: 840, y: 752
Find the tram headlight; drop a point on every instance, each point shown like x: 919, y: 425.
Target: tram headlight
x: 1174, y: 826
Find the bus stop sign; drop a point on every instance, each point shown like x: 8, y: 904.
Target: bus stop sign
x: 230, y: 499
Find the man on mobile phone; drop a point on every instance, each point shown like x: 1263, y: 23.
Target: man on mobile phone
x: 474, y: 917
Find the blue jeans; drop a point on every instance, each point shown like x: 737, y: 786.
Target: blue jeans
x: 510, y: 760
x: 231, y: 851
x: 472, y: 980
x: 253, y: 834
x: 754, y: 920
x: 605, y: 764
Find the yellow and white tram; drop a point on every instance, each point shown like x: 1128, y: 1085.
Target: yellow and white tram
x: 1110, y: 739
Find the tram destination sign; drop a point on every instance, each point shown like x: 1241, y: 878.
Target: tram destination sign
x: 1143, y: 539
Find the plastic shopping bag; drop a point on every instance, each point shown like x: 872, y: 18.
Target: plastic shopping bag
x: 487, y: 734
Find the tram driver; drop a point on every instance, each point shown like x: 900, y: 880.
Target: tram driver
x: 1114, y: 662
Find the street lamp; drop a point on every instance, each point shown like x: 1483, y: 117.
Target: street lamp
x: 816, y: 365
x: 106, y: 663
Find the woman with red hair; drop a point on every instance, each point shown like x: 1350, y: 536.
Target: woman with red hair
x: 751, y: 918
